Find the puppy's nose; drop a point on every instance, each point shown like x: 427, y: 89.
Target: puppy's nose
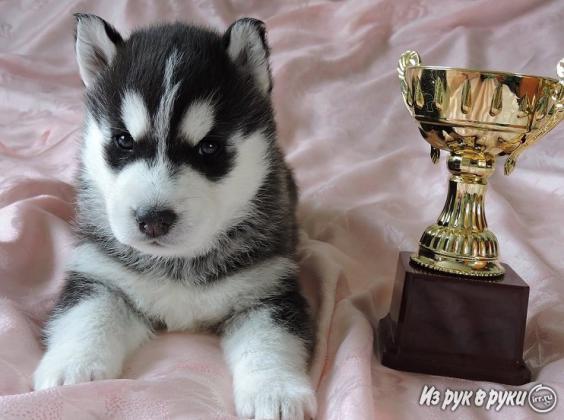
x: 155, y: 222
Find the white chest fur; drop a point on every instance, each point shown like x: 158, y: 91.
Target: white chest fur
x: 183, y: 306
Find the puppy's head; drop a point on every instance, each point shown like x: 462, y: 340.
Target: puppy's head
x: 178, y: 129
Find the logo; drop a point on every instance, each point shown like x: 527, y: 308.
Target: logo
x: 542, y: 398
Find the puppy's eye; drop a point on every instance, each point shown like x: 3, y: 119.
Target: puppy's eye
x: 208, y: 147
x: 124, y: 141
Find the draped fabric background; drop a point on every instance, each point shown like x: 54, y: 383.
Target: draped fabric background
x: 368, y: 189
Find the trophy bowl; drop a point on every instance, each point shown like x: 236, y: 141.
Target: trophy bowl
x: 476, y: 116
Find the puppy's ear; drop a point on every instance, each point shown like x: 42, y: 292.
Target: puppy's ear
x: 96, y: 45
x: 246, y: 44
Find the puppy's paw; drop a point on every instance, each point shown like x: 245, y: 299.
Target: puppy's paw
x: 61, y: 368
x: 275, y: 396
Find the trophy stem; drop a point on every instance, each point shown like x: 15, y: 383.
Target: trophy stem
x: 460, y: 242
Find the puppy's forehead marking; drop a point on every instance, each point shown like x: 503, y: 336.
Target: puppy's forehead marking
x: 197, y: 121
x: 134, y: 114
x: 162, y: 119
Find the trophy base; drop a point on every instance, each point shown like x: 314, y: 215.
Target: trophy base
x: 449, y: 325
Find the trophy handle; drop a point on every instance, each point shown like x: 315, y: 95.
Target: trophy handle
x: 511, y: 161
x: 555, y: 118
x: 560, y: 73
x: 407, y: 59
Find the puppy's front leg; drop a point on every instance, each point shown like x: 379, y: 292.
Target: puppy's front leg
x: 268, y: 349
x: 88, y: 339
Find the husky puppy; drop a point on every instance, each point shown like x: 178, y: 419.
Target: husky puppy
x: 186, y: 214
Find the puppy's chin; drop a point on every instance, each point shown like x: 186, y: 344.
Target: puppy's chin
x: 167, y: 248
x: 159, y: 249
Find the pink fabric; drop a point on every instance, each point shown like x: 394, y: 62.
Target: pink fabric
x: 368, y: 189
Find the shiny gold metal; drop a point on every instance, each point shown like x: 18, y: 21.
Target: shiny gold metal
x: 475, y: 115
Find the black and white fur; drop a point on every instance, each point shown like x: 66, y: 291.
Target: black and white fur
x: 186, y: 214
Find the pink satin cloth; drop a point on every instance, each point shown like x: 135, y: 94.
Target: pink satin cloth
x: 368, y: 189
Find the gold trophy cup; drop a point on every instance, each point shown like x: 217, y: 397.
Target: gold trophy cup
x: 433, y: 325
x: 476, y: 116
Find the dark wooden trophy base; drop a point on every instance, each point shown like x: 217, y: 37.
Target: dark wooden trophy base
x: 445, y: 325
